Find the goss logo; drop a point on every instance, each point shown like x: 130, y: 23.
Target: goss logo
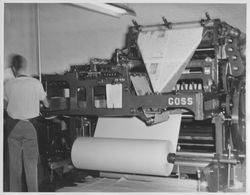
x: 177, y: 101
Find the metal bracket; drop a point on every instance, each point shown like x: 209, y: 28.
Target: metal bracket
x: 167, y: 24
x: 137, y: 26
x: 207, y: 16
x: 204, y: 21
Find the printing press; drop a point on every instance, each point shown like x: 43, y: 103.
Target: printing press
x: 207, y: 89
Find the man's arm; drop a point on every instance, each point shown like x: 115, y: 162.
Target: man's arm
x: 45, y: 102
x: 5, y: 103
x: 43, y: 95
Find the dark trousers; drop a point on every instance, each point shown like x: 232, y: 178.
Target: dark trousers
x: 9, y: 124
x: 23, y: 152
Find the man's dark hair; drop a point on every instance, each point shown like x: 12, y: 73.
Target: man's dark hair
x: 18, y: 62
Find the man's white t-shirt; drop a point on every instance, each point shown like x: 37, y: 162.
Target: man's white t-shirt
x: 8, y: 74
x: 23, y: 95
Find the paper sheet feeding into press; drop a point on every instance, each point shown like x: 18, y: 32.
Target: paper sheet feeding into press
x: 127, y: 145
x: 166, y: 53
x: 133, y: 128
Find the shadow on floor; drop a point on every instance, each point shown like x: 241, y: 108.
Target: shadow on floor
x: 65, y: 180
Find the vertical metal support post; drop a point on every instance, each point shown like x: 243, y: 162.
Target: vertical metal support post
x: 233, y: 175
x: 38, y: 42
x: 199, y: 179
x: 229, y: 167
x: 178, y: 172
x: 73, y: 130
x: 216, y: 48
x: 90, y: 129
x: 218, y: 178
x: 219, y: 139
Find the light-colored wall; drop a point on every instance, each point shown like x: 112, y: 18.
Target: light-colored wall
x: 71, y: 35
x: 20, y: 33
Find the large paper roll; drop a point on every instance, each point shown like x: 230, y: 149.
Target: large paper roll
x: 122, y: 155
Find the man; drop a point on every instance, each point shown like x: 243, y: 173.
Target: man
x: 22, y: 95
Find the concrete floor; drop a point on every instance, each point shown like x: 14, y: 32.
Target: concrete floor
x: 82, y: 181
x: 123, y: 184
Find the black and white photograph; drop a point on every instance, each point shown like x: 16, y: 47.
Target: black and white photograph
x: 109, y: 96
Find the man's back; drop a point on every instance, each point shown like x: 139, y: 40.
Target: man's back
x: 23, y: 95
